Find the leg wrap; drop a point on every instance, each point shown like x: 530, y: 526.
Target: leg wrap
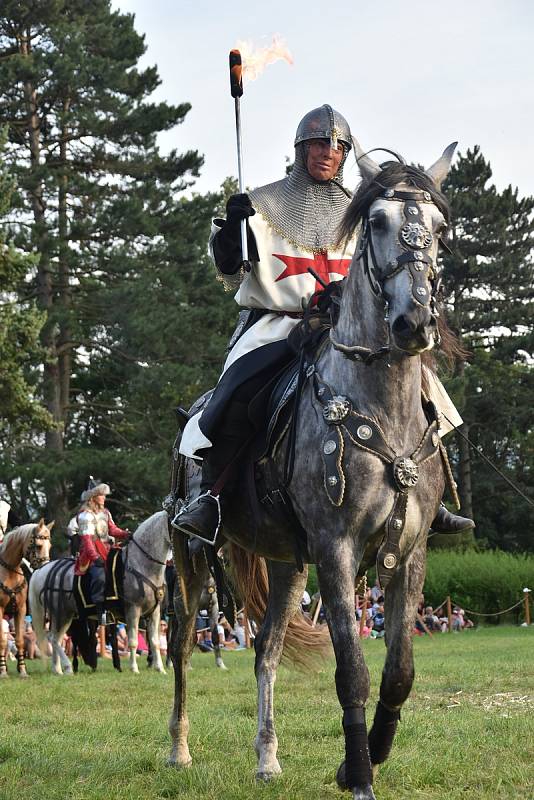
x: 20, y: 662
x: 382, y: 733
x: 3, y: 664
x: 357, y: 761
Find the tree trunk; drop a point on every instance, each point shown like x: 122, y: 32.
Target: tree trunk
x: 55, y: 489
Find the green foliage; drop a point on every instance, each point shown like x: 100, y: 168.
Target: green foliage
x: 485, y: 582
x: 489, y: 282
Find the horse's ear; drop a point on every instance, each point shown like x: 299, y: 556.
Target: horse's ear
x: 51, y: 525
x: 439, y: 170
x: 41, y: 523
x: 367, y: 166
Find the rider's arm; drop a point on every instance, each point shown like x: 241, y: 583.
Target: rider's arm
x: 226, y: 242
x: 115, y: 531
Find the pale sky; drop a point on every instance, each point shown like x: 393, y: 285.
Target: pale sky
x: 411, y: 76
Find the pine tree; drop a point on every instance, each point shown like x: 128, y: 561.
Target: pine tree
x: 489, y: 283
x: 93, y: 187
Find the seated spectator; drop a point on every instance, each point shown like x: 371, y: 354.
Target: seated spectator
x: 378, y: 622
x: 377, y: 595
x: 239, y: 631
x: 122, y: 640
x: 163, y: 637
x: 458, y: 620
x: 431, y: 620
x: 306, y: 602
x: 31, y: 649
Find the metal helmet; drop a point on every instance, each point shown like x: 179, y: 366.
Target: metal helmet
x: 324, y: 123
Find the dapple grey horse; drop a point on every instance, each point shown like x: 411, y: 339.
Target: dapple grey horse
x: 367, y: 478
x: 144, y: 558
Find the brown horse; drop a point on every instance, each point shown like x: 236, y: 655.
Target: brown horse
x: 31, y: 542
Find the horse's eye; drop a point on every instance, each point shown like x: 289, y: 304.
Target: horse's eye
x: 378, y: 220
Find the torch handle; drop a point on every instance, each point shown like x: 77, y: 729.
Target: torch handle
x: 244, y: 241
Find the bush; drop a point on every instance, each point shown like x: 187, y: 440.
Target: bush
x: 485, y: 582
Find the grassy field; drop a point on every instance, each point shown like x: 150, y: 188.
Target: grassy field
x: 467, y: 730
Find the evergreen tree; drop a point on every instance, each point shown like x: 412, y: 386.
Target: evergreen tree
x: 490, y: 290
x: 94, y: 191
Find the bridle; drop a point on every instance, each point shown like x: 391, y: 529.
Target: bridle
x: 416, y: 241
x: 31, y: 552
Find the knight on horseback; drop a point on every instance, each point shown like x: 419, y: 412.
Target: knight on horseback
x: 95, y: 529
x: 292, y: 226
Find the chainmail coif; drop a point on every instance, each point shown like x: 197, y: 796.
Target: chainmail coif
x: 302, y: 210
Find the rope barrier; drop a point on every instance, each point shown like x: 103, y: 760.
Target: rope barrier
x: 490, y: 614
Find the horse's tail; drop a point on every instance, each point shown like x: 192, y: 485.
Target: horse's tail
x: 304, y: 644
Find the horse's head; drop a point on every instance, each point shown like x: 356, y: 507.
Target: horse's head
x: 403, y: 217
x: 39, y: 544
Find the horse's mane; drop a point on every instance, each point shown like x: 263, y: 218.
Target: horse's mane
x: 367, y: 192
x: 17, y: 535
x: 391, y: 175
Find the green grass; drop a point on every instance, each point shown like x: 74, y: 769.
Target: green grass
x: 467, y: 730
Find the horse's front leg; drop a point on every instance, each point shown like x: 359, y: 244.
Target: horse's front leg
x: 286, y: 586
x: 153, y: 625
x: 133, y: 613
x: 187, y: 592
x: 337, y: 572
x: 3, y: 646
x: 400, y: 606
x: 19, y: 636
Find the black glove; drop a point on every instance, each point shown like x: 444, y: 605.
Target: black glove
x: 238, y: 207
x: 227, y: 242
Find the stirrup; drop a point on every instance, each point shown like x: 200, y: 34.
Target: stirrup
x: 191, y: 530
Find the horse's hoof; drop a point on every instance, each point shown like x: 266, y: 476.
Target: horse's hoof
x: 363, y: 793
x: 359, y: 792
x: 23, y: 675
x: 266, y: 776
x: 3, y: 675
x: 222, y: 666
x: 177, y: 765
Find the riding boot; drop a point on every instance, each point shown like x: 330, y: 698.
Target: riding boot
x: 201, y: 518
x: 445, y: 522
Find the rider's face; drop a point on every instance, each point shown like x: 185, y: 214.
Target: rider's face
x: 100, y: 500
x: 322, y: 162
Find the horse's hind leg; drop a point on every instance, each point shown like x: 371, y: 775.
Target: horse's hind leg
x: 187, y: 591
x: 286, y: 586
x: 401, y: 598
x: 336, y: 572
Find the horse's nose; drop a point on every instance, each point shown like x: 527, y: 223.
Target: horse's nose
x: 411, y: 329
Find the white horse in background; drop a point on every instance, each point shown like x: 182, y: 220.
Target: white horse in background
x: 144, y: 558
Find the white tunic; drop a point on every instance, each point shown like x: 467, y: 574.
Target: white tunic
x: 279, y: 281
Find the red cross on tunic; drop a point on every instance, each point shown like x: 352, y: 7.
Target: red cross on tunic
x: 320, y: 262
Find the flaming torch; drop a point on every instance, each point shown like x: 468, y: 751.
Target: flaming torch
x: 236, y: 89
x: 255, y: 62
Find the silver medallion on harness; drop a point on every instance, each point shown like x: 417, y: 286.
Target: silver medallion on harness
x: 414, y: 234
x: 405, y: 472
x: 336, y: 409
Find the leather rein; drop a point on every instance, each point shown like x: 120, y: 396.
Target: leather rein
x: 415, y: 240
x: 159, y: 591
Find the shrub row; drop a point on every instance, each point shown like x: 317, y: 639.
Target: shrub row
x: 486, y: 582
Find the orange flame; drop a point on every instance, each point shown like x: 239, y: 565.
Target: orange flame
x: 256, y: 59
